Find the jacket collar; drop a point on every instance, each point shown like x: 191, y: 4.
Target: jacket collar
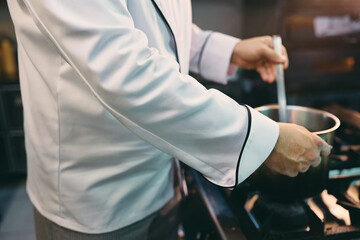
x: 169, y: 21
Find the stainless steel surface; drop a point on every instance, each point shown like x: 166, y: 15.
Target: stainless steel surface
x: 314, y: 180
x: 316, y: 121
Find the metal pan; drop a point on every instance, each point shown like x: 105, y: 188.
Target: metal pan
x: 310, y: 183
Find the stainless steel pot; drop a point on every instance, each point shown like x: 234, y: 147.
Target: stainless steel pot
x: 281, y: 187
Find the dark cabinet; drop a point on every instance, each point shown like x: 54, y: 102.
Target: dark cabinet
x: 4, y: 164
x: 17, y: 145
x: 13, y: 109
x: 12, y: 146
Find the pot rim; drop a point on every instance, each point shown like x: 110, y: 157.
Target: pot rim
x: 332, y: 129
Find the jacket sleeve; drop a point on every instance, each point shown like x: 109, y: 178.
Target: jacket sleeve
x: 145, y: 91
x: 210, y: 54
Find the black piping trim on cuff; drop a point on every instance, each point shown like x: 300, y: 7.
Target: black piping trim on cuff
x: 202, y: 51
x: 243, y: 147
x: 241, y: 152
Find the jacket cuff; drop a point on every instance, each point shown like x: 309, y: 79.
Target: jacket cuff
x: 215, y: 58
x: 261, y: 140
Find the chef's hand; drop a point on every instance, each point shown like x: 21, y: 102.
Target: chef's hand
x: 296, y: 150
x: 258, y: 53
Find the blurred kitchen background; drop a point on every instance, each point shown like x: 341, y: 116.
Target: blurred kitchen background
x: 323, y: 42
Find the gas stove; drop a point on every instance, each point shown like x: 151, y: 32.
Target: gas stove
x: 246, y: 213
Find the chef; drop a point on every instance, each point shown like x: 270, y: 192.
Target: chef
x: 108, y: 105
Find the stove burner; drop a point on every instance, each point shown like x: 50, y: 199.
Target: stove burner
x: 247, y: 213
x: 289, y: 216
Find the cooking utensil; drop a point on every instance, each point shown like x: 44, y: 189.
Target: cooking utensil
x: 280, y: 85
x: 310, y: 183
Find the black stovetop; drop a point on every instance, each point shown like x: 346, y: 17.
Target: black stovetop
x: 245, y: 213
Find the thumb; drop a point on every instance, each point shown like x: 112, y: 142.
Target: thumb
x: 273, y: 56
x: 324, y: 147
x: 325, y: 150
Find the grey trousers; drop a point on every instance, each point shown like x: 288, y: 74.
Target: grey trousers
x: 160, y: 225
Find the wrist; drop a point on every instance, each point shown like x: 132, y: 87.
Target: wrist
x: 234, y: 56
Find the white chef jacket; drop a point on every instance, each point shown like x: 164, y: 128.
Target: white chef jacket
x: 108, y: 103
